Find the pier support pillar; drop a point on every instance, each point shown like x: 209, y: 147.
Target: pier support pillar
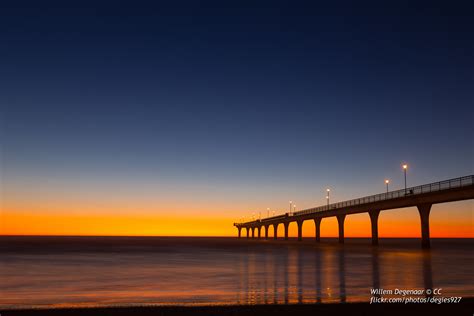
x: 258, y: 229
x: 340, y: 221
x: 253, y: 232
x: 239, y: 229
x: 286, y: 230
x: 317, y: 224
x: 374, y: 218
x: 275, y: 231
x: 424, y: 210
x: 248, y: 231
x: 266, y: 231
x: 300, y: 230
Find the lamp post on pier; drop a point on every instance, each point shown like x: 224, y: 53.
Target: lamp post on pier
x: 405, y: 167
x: 327, y: 196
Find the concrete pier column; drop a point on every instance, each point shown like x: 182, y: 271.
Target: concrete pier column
x: 300, y: 230
x: 239, y: 229
x: 275, y: 231
x: 317, y: 224
x: 248, y: 231
x: 286, y: 230
x: 374, y: 218
x: 424, y: 210
x: 340, y: 221
x: 258, y: 229
x: 266, y: 231
x: 253, y: 232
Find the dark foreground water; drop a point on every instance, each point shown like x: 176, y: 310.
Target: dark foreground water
x: 104, y: 271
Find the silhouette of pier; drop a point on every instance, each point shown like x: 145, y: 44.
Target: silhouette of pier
x: 423, y: 197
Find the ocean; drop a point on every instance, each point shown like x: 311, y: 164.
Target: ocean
x: 126, y: 271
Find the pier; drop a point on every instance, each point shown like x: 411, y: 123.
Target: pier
x: 423, y: 197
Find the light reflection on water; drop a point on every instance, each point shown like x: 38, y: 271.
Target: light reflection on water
x: 222, y: 271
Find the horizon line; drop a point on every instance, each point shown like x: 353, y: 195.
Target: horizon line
x: 202, y: 236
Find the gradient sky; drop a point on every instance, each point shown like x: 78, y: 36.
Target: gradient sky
x: 179, y: 118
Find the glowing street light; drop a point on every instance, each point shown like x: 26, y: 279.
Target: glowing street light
x: 294, y: 208
x: 290, y: 205
x: 405, y: 167
x: 386, y: 183
x: 268, y: 212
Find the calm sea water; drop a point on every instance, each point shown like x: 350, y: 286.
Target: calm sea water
x: 91, y: 271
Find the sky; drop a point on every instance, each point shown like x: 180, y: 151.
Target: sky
x: 183, y: 117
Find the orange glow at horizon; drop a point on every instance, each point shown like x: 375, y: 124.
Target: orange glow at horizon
x: 450, y: 220
x: 105, y: 225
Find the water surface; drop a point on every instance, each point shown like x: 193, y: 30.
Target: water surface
x: 103, y: 271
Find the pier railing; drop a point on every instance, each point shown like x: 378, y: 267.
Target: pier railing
x: 421, y: 189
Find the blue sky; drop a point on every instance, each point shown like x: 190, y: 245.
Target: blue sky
x: 247, y: 103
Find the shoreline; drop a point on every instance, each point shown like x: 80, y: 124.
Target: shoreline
x: 464, y: 307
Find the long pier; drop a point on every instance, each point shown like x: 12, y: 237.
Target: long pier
x: 423, y: 197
